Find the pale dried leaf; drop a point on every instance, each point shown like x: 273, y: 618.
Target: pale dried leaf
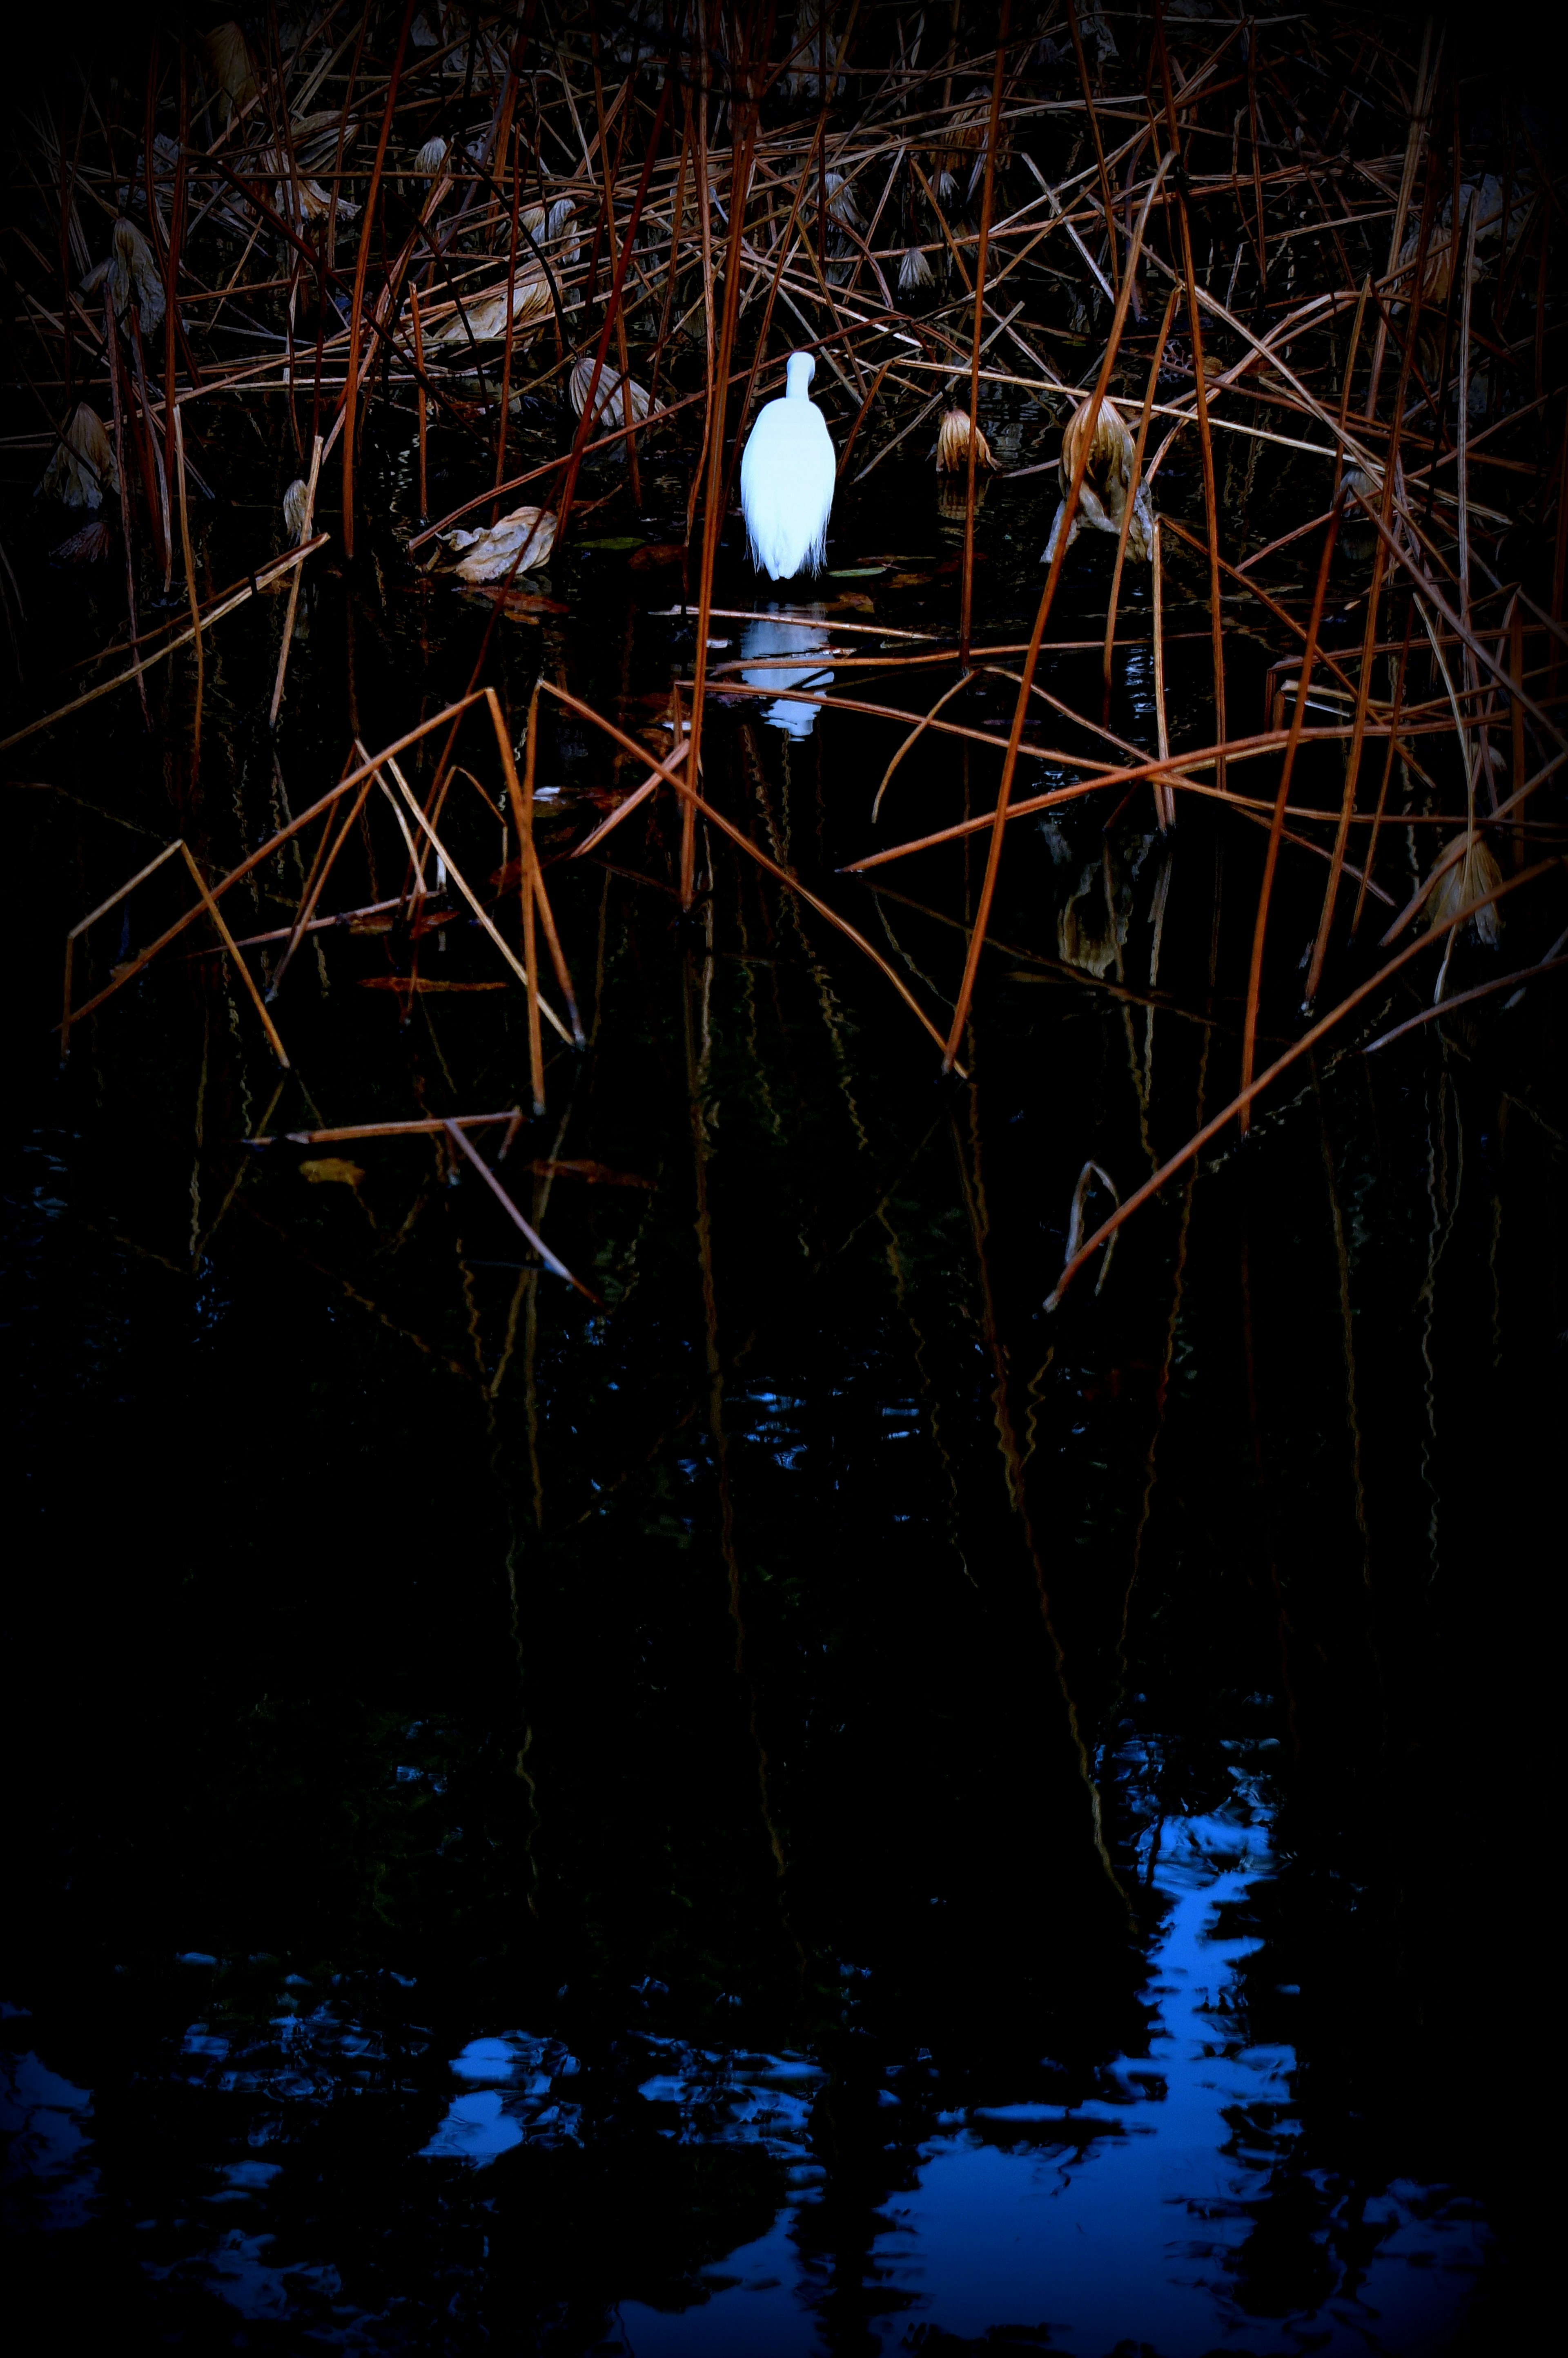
x: 83, y: 467
x: 1474, y: 872
x: 490, y: 556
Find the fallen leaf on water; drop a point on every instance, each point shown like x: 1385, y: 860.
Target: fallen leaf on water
x: 908, y: 582
x: 420, y: 982
x: 853, y: 601
x: 330, y: 1170
x: 657, y: 552
x: 521, y: 540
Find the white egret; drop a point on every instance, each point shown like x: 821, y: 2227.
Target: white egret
x: 787, y: 472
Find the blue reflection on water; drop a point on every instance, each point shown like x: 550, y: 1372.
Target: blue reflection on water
x: 1122, y: 2219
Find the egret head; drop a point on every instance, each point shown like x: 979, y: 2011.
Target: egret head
x: 799, y: 370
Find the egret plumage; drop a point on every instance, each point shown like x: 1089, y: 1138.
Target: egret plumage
x: 787, y: 473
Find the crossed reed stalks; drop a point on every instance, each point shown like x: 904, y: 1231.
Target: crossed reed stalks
x: 419, y: 215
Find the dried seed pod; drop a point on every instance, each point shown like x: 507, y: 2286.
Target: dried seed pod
x: 295, y: 509
x: 953, y: 438
x: 132, y: 274
x: 83, y: 467
x: 609, y: 406
x: 841, y: 205
x: 431, y: 157
x: 1107, y: 487
x: 915, y: 270
x: 232, y: 66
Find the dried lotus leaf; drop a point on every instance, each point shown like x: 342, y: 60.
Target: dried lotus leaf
x: 485, y: 313
x: 83, y: 467
x: 521, y: 542
x: 1474, y: 872
x: 231, y: 65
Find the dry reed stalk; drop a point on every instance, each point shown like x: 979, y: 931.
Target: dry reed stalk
x: 1010, y: 763
x: 1516, y: 668
x: 191, y: 594
x: 288, y: 619
x: 150, y: 457
x: 586, y: 422
x: 264, y: 574
x: 1464, y: 999
x: 275, y: 842
x: 112, y: 349
x: 522, y: 818
x: 325, y: 862
x: 782, y: 875
x: 1265, y: 890
x: 421, y: 398
x: 350, y: 1131
x: 1364, y: 681
x: 1175, y: 766
x: 713, y: 511
x: 1308, y: 1040
x: 1427, y: 589
x: 511, y: 335
x: 1330, y: 661
x: 1200, y: 390
x: 966, y: 600
x: 551, y: 1261
x: 629, y: 416
x: 350, y: 387
x: 1164, y: 802
x: 1092, y: 114
x: 731, y: 687
x: 210, y: 905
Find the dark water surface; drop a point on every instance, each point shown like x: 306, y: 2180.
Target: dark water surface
x: 816, y: 1807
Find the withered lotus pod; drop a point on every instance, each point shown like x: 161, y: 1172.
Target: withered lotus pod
x: 953, y: 438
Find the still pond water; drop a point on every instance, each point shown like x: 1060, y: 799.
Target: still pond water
x: 814, y: 1808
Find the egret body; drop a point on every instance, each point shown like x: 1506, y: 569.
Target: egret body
x: 787, y: 473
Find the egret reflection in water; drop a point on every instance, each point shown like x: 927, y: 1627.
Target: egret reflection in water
x: 767, y: 636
